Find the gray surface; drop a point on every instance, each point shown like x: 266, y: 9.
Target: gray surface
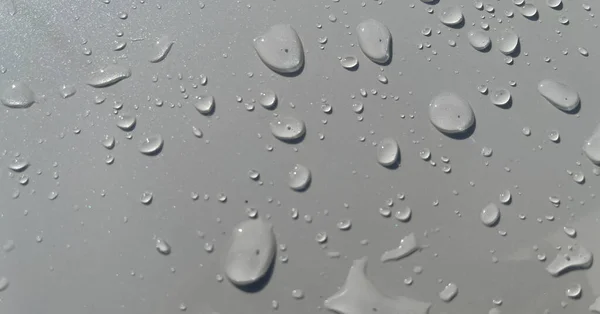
x: 88, y: 252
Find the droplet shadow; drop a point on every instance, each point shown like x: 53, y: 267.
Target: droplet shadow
x: 534, y: 17
x: 295, y: 140
x: 460, y: 25
x: 261, y: 283
x: 574, y: 110
x: 295, y: 73
x: 558, y: 7
x: 465, y: 134
x: 396, y: 164
x: 507, y: 105
x: 517, y: 51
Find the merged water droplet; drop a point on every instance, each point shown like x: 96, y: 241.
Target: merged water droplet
x: 299, y: 178
x: 18, y: 95
x: 375, y: 40
x: 479, y: 40
x: 451, y: 114
x: 578, y: 257
x: 205, y: 104
x: 388, y: 152
x: 490, y: 215
x: 280, y: 49
x: 451, y: 16
x: 558, y: 94
x: 109, y: 75
x: 161, y: 49
x: 500, y: 97
x: 508, y: 41
x: 408, y: 245
x: 287, y: 128
x: 251, y: 252
x: 349, y: 62
x: 151, y: 145
x: 268, y: 99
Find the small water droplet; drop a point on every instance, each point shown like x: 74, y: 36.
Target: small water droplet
x: 161, y: 48
x: 344, y: 224
x: 67, y: 91
x: 163, y: 247
x: 505, y: 197
x: 486, y: 151
x: 449, y: 292
x: 528, y: 10
x: 388, y: 152
x: 349, y: 62
x: 109, y: 75
x: 573, y: 291
x: 146, y: 198
x: 299, y: 178
x: 151, y: 145
x: 268, y: 99
x: 321, y: 237
x: 500, y: 97
x: 404, y: 214
x: 126, y: 122
x: 205, y: 104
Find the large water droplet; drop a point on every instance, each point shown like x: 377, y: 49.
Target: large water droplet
x: 500, y: 97
x: 109, y: 76
x: 479, y: 39
x: 161, y: 49
x: 578, y: 257
x: 408, y: 245
x: 287, y: 128
x: 490, y: 215
x: 205, y: 104
x: 251, y: 251
x: 18, y: 165
x: 359, y: 296
x: 388, y: 152
x: 560, y: 95
x: 17, y: 95
x: 451, y: 16
x: 280, y: 49
x: 451, y: 114
x: 529, y: 10
x: 508, y: 41
x: 151, y: 145
x: 299, y: 178
x: 374, y: 40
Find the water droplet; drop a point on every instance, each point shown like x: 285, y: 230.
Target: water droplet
x: 161, y: 49
x: 163, y: 247
x: 482, y: 88
x: 18, y: 165
x: 425, y: 153
x: 486, y: 151
x: 554, y: 136
x: 298, y: 294
x: 500, y: 97
x: 563, y: 20
x: 280, y: 49
x: 109, y: 75
x: 17, y: 95
x: 578, y: 177
x: 205, y: 104
x: 374, y: 40
x: 299, y: 178
x: 388, y: 152
x: 3, y: 283
x: 151, y: 145
x: 583, y: 51
x: 449, y: 292
x: 450, y: 114
x: 146, y: 198
x: 382, y: 79
x: 451, y: 16
x: 478, y: 5
x: 349, y: 62
x: 321, y: 237
x: 578, y: 257
x: 253, y: 174
x: 268, y: 99
x: 526, y: 131
x: 490, y: 215
x: 251, y: 252
x: 529, y: 10
x: 559, y: 94
x: 358, y: 295
x: 554, y: 3
x: 52, y: 195
x: 571, y: 232
x: 287, y: 128
x: 403, y: 214
x: 573, y: 291
x: 344, y: 224
x: 508, y: 41
x: 108, y: 142
x: 67, y: 91
x: 408, y: 245
x: 126, y: 122
x: 505, y: 197
x: 197, y: 132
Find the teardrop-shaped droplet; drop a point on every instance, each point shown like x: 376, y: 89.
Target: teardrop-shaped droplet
x: 508, y: 41
x: 500, y: 97
x: 161, y: 49
x: 529, y: 10
x: 479, y: 40
x: 287, y: 128
x: 205, y: 104
x: 558, y: 94
x: 451, y: 114
x: 151, y: 145
x: 109, y: 76
x: 17, y: 95
x: 388, y: 152
x: 299, y: 178
x: 126, y: 122
x: 268, y: 99
x: 251, y: 252
x: 163, y: 247
x: 280, y: 49
x: 451, y: 16
x: 374, y: 40
x: 349, y: 62
x: 490, y: 215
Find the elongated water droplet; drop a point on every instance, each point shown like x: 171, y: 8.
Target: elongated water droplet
x: 163, y: 247
x: 571, y: 232
x: 374, y: 40
x: 583, y: 51
x: 500, y: 97
x: 18, y: 165
x: 479, y: 40
x: 451, y: 16
x: 161, y: 49
x: 205, y: 104
x: 558, y: 94
x: 388, y: 152
x: 490, y: 215
x: 126, y: 122
x: 449, y: 292
x: 151, y: 145
x: 408, y: 245
x: 280, y: 49
x: 299, y: 178
x: 109, y: 76
x: 508, y: 41
x: 287, y: 128
x: 450, y: 114
x: 18, y: 95
x: 578, y: 257
x: 349, y: 62
x: 268, y: 99
x: 358, y: 295
x: 251, y: 251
